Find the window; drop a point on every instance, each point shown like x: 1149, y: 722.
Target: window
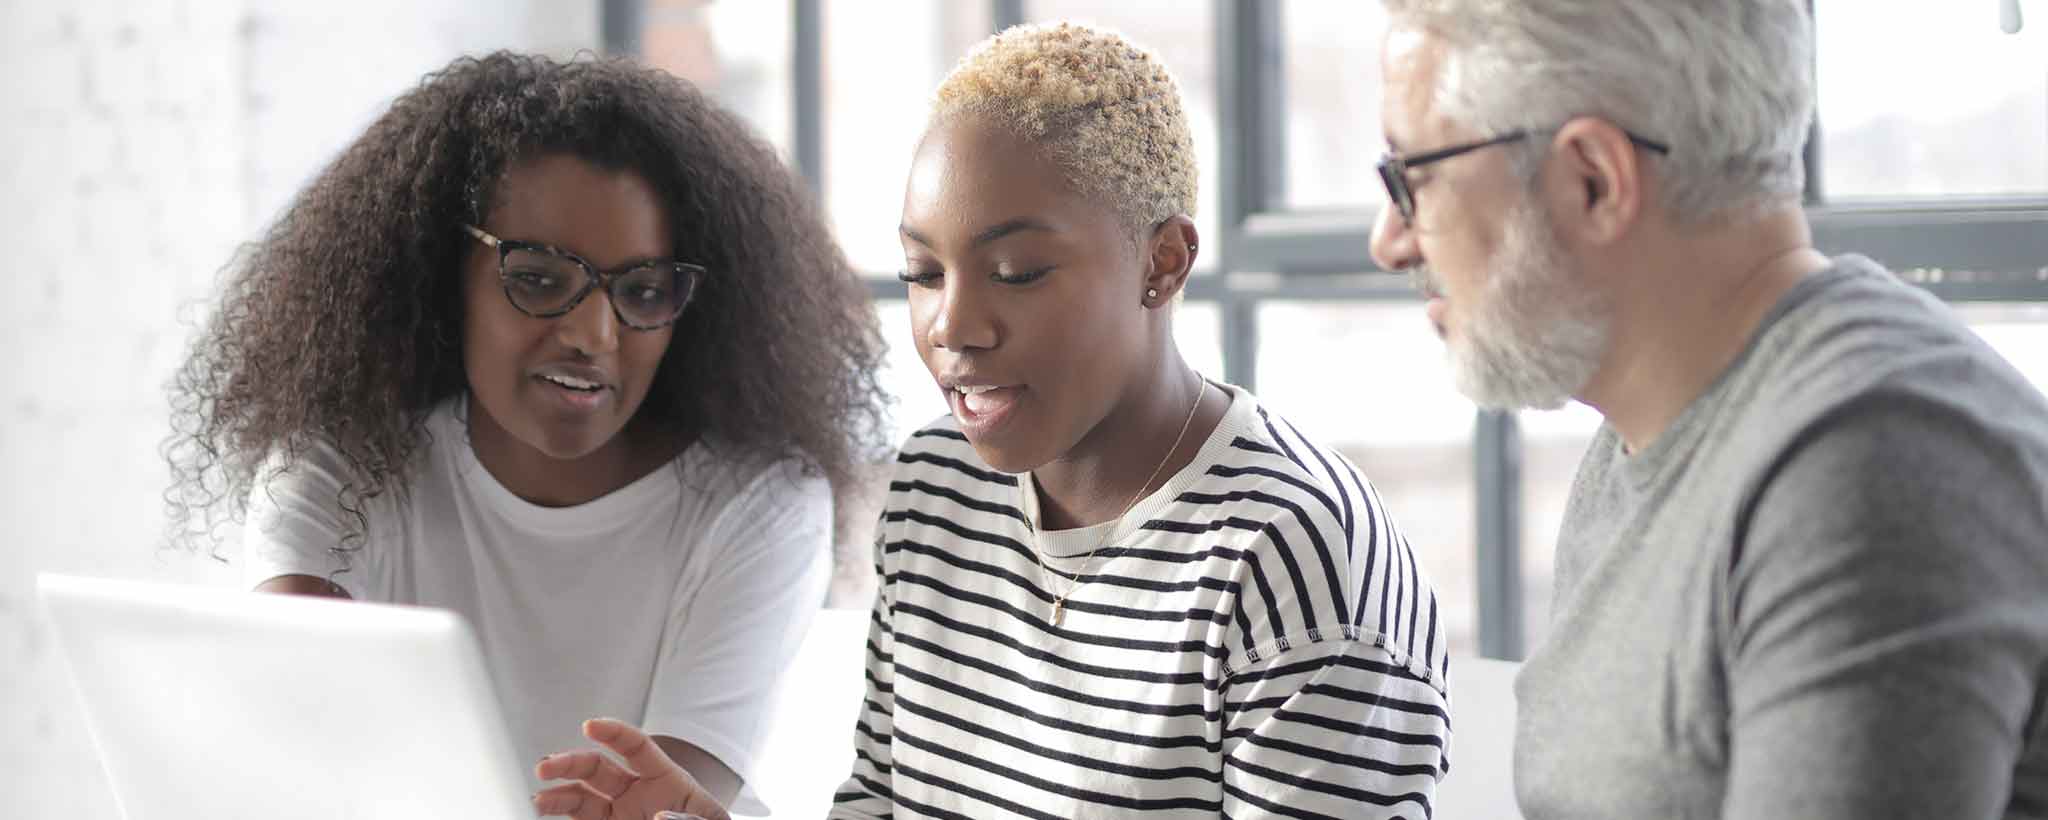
x: 1332, y: 79
x: 737, y: 52
x: 1930, y: 100
x: 880, y: 71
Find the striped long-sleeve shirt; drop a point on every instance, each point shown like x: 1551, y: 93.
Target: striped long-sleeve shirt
x: 1257, y: 641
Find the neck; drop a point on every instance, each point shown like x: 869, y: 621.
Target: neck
x: 1681, y: 322
x: 1108, y: 470
x: 546, y: 481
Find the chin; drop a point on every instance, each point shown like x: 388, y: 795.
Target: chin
x: 564, y: 445
x: 1014, y: 460
x: 1508, y: 382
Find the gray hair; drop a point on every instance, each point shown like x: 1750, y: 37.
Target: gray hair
x: 1728, y: 84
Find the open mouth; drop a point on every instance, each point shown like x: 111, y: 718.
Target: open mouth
x: 982, y: 408
x: 981, y: 400
x: 569, y: 383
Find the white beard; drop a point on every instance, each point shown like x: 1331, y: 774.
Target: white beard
x: 1531, y: 337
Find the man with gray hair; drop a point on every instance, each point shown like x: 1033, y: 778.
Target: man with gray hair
x: 1804, y: 568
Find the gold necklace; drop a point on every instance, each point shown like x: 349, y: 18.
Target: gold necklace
x: 1059, y: 603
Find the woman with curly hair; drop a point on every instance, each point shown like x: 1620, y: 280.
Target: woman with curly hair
x: 1108, y: 585
x: 563, y: 347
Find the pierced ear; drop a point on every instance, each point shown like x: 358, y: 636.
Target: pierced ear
x: 1171, y: 253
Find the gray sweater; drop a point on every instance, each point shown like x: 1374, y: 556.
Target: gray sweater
x: 1821, y: 594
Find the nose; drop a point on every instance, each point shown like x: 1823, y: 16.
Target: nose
x: 1393, y: 243
x: 955, y: 317
x: 592, y: 328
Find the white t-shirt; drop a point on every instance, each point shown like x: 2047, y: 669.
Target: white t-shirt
x: 675, y: 602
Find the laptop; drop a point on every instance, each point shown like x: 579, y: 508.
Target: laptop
x: 205, y: 703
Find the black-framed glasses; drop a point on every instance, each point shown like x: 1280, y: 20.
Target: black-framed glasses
x: 544, y: 282
x: 1394, y: 167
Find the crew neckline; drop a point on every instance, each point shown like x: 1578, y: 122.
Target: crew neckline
x: 601, y: 514
x: 1067, y: 549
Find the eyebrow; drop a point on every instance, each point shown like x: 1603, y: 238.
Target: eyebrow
x: 624, y: 264
x: 999, y: 230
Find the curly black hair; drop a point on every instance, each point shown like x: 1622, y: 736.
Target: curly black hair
x: 342, y: 324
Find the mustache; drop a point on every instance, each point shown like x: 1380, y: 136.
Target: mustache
x: 1424, y: 280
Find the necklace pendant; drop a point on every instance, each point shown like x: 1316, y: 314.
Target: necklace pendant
x: 1059, y: 608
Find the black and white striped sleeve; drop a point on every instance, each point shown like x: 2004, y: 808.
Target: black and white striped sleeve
x: 866, y: 794
x: 1333, y: 698
x: 1332, y: 728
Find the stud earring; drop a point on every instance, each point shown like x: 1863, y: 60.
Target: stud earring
x: 1151, y: 293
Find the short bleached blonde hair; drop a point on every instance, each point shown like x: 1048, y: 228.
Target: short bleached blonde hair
x: 1102, y: 109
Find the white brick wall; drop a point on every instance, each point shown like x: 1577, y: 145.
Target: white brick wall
x: 140, y: 141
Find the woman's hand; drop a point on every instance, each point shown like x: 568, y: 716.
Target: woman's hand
x: 647, y: 784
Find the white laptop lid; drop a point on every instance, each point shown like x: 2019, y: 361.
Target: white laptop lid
x: 223, y: 705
